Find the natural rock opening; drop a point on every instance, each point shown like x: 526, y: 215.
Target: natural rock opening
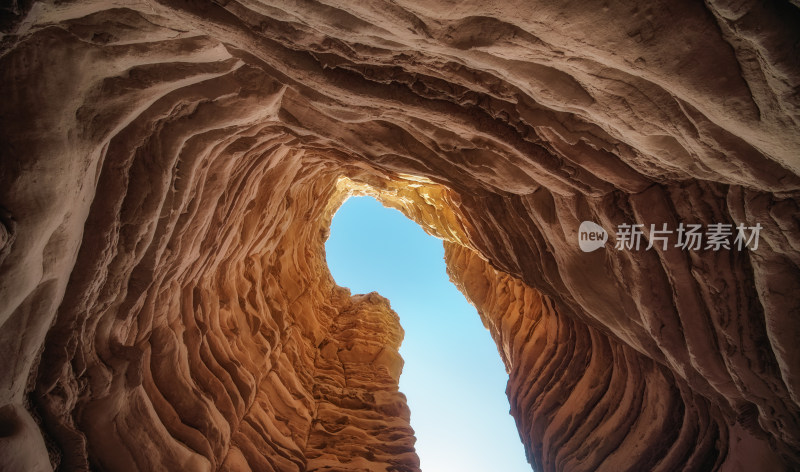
x: 169, y: 168
x: 453, y: 377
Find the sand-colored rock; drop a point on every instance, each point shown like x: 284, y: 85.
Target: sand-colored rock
x: 169, y: 170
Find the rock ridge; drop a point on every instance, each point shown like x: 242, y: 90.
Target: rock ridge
x: 170, y: 168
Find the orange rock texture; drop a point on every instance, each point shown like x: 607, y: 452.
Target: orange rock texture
x: 170, y: 168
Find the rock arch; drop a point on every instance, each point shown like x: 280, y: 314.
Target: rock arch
x: 169, y: 170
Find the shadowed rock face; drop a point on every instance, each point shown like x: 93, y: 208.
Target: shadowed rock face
x: 169, y: 171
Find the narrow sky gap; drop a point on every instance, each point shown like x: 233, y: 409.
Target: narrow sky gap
x: 453, y: 376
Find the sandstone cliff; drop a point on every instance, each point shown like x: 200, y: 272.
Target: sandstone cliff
x: 169, y: 170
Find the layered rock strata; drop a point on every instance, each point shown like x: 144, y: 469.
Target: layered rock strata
x: 169, y: 172
x: 572, y: 390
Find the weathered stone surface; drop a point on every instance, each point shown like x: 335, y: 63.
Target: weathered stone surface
x: 584, y: 401
x: 169, y: 170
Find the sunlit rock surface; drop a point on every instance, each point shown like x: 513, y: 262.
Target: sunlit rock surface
x: 169, y: 170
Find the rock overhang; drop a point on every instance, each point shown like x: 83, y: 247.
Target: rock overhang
x: 170, y: 169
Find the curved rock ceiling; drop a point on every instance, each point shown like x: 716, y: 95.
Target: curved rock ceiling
x: 170, y: 168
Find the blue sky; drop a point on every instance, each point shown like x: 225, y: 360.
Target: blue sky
x: 453, y: 376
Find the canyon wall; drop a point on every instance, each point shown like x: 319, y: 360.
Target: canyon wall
x: 170, y: 168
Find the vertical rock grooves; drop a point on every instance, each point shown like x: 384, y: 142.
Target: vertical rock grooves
x: 583, y: 401
x: 170, y: 168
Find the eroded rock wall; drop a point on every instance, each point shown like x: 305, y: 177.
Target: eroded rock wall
x: 222, y: 344
x: 169, y: 170
x: 584, y: 401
